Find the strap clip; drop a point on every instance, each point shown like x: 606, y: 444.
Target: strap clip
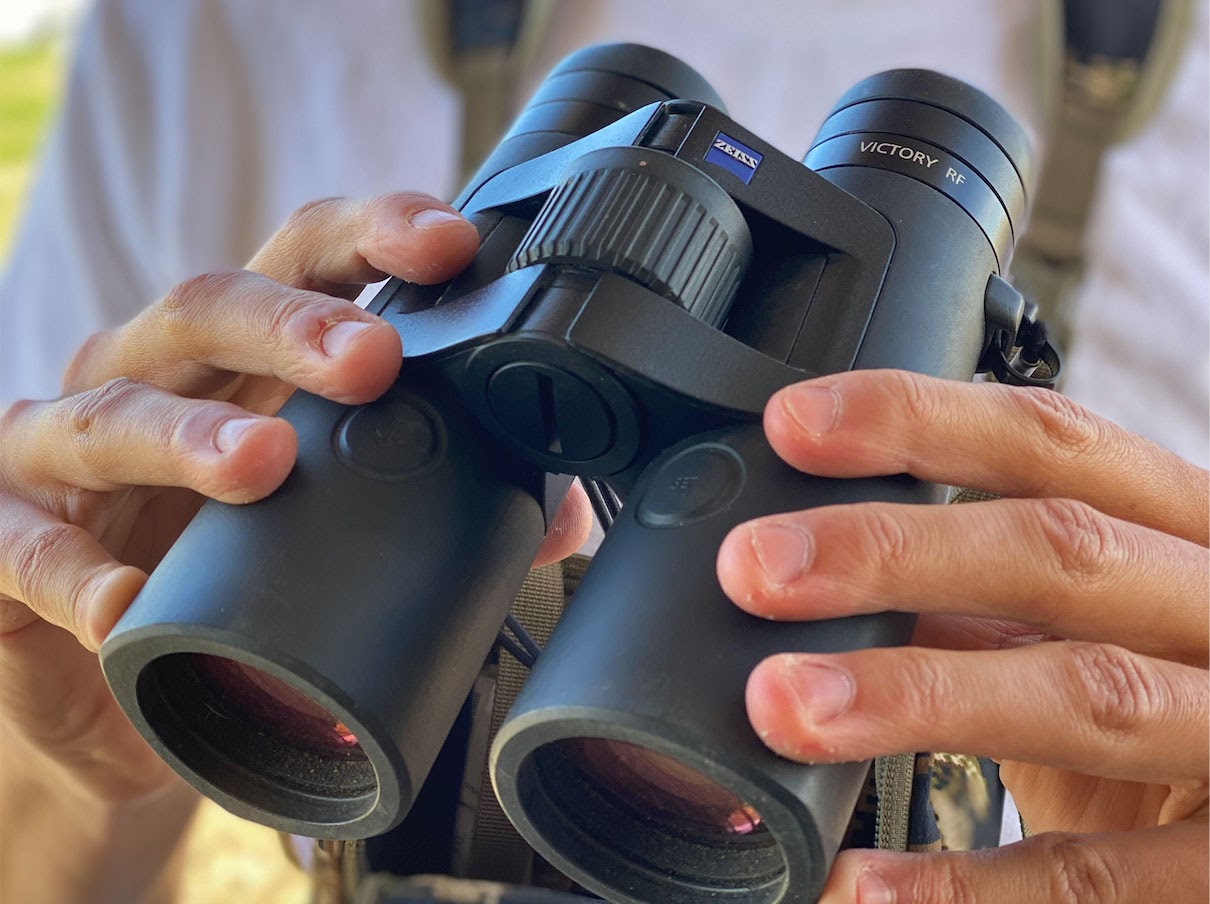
x: 1017, y: 350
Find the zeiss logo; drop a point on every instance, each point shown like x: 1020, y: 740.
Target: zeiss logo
x: 738, y: 159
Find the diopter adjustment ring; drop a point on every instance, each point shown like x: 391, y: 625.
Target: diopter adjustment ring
x: 649, y: 217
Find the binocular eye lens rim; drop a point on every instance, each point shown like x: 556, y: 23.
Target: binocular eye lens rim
x: 278, y: 706
x: 594, y: 832
x: 254, y: 742
x: 664, y: 789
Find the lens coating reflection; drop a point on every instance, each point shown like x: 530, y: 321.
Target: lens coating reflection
x: 277, y: 708
x: 253, y: 737
x: 662, y: 788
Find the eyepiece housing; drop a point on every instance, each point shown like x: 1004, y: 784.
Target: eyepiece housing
x: 939, y: 131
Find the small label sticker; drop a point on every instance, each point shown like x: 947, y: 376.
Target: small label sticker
x: 738, y: 159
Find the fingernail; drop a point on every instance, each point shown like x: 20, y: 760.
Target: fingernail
x: 108, y: 597
x: 823, y: 691
x: 812, y: 408
x: 431, y: 217
x: 783, y: 552
x: 227, y: 436
x: 337, y: 338
x: 872, y: 889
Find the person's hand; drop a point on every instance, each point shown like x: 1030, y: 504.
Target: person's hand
x: 159, y: 414
x: 1063, y: 631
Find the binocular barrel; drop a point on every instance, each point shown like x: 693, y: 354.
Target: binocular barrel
x: 627, y: 760
x: 589, y: 90
x: 301, y: 659
x: 297, y: 659
x: 649, y: 273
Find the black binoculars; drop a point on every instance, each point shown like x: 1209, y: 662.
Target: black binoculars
x: 650, y: 272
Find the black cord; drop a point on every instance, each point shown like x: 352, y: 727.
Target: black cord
x: 601, y: 506
x: 611, y: 499
x: 524, y: 637
x: 518, y: 652
x: 605, y: 502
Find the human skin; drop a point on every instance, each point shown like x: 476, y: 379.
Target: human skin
x: 157, y: 415
x: 1103, y: 739
x: 1062, y: 631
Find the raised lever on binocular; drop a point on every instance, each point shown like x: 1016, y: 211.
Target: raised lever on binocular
x: 1018, y: 351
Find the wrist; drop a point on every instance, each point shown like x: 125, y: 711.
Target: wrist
x: 64, y: 843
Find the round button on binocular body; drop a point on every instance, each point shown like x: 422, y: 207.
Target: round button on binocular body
x: 694, y: 484
x: 394, y: 438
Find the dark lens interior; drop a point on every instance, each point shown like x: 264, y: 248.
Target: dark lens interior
x: 622, y: 809
x: 257, y: 738
x: 244, y: 692
x: 663, y: 789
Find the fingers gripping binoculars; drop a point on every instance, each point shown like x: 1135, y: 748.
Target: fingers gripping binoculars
x: 650, y: 272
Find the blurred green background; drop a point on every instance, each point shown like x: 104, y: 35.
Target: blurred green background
x: 225, y: 859
x: 30, y: 80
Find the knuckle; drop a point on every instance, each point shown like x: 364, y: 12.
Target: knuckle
x: 86, y: 411
x: 186, y: 297
x: 932, y: 700
x: 304, y: 220
x: 1077, y: 872
x: 285, y: 256
x: 917, y: 402
x: 283, y: 312
x: 949, y: 883
x: 1069, y: 430
x: 183, y: 307
x: 34, y: 556
x: 1122, y: 695
x: 1080, y: 539
x: 14, y: 414
x: 178, y: 429
x: 887, y: 538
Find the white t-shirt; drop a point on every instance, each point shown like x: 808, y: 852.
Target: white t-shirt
x: 191, y: 129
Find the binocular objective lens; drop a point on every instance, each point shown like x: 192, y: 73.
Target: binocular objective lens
x: 661, y: 788
x: 276, y: 707
x: 672, y: 831
x: 250, y: 736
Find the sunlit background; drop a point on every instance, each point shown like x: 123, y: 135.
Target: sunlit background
x: 33, y: 35
x: 228, y: 861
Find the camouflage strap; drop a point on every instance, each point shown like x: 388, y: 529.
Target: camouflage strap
x: 894, y: 777
x: 952, y: 806
x: 959, y: 495
x: 1106, y: 66
x: 495, y: 850
x: 906, y: 819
